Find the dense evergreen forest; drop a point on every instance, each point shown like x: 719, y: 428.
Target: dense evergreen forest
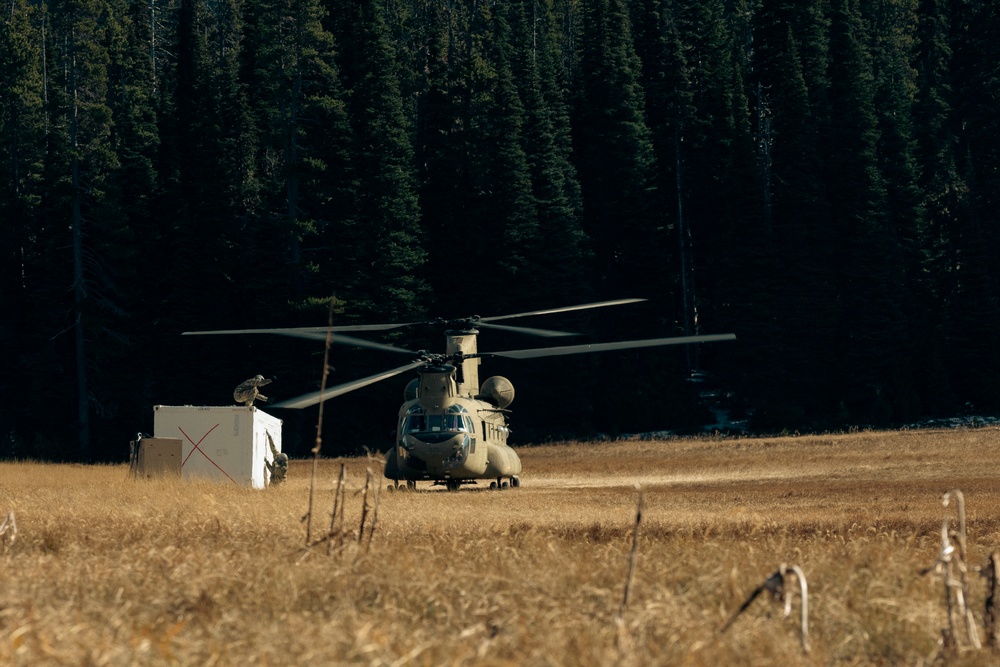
x: 819, y: 177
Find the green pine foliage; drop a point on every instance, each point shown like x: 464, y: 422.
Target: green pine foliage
x: 384, y: 280
x: 820, y: 177
x: 25, y: 294
x: 614, y: 156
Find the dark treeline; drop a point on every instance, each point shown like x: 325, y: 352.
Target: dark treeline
x: 819, y: 177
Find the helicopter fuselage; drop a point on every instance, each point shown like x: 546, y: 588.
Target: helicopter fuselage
x: 465, y: 441
x: 447, y: 434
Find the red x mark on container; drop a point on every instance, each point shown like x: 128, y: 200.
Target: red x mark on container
x: 196, y: 446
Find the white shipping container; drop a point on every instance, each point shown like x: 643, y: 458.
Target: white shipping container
x: 223, y: 443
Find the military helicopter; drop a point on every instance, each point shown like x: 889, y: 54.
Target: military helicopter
x: 450, y: 429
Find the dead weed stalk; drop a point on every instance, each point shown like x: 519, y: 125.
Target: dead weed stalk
x: 372, y: 489
x: 623, y: 640
x: 633, y: 556
x: 990, y: 621
x: 319, y: 426
x: 338, y: 512
x: 956, y: 588
x: 776, y: 585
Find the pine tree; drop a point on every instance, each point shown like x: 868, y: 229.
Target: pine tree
x: 296, y: 78
x: 892, y: 24
x: 871, y: 295
x: 939, y: 187
x: 503, y: 210
x: 384, y: 278
x: 629, y: 229
x: 83, y: 162
x: 614, y: 158
x: 555, y: 262
x: 22, y: 163
x: 439, y: 148
x: 794, y: 378
x: 975, y: 271
x: 669, y: 113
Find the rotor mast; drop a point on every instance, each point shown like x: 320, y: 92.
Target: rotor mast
x: 464, y: 341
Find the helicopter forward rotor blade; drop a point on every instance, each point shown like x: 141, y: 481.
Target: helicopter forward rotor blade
x: 605, y: 347
x: 299, y: 331
x: 295, y: 330
x: 564, y: 309
x: 315, y: 397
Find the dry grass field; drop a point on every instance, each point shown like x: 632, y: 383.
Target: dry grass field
x: 106, y: 570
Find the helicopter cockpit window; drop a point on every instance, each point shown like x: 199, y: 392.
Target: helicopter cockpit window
x: 445, y: 423
x: 414, y: 423
x: 414, y: 420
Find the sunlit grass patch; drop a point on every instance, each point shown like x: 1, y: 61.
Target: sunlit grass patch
x: 107, y: 570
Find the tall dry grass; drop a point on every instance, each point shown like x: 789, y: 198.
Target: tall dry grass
x: 111, y: 571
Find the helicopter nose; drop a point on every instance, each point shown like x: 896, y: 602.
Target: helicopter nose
x: 441, y: 451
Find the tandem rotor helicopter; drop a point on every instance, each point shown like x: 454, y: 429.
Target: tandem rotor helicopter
x: 450, y: 429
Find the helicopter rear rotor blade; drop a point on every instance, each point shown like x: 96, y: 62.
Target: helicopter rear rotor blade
x: 564, y: 309
x: 315, y: 397
x: 341, y: 339
x: 545, y: 333
x: 605, y: 347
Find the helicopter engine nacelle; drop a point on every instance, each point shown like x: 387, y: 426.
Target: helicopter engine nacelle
x: 410, y: 392
x: 497, y: 390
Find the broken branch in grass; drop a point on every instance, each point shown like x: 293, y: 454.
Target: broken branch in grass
x: 775, y: 585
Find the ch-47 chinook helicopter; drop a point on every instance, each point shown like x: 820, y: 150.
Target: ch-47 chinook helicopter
x: 450, y: 429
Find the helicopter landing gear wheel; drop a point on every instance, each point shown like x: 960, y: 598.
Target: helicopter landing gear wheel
x: 411, y: 485
x: 391, y: 488
x: 493, y: 486
x: 452, y: 484
x: 503, y: 485
x: 515, y: 482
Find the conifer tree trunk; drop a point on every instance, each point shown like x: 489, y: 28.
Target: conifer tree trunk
x: 79, y: 288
